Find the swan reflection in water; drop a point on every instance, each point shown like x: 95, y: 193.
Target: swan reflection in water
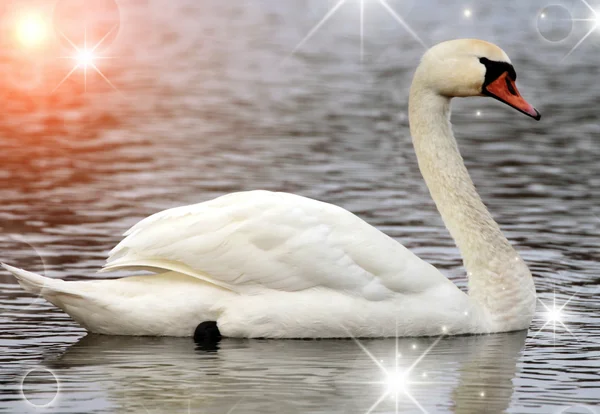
x: 464, y: 374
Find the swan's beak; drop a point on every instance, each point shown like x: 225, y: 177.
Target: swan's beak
x: 505, y: 90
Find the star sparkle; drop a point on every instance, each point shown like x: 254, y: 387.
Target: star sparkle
x: 397, y: 380
x: 361, y: 4
x: 555, y: 316
x: 594, y: 18
x: 85, y: 58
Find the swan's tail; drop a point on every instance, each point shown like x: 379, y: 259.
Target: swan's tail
x: 31, y: 282
x: 75, y: 298
x: 135, y: 305
x: 55, y: 291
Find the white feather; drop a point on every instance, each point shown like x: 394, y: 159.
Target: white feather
x: 259, y: 239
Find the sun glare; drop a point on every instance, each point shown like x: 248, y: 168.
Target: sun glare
x: 554, y: 315
x: 396, y: 382
x: 31, y: 30
x: 85, y: 58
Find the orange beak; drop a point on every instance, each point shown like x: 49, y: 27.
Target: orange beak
x: 505, y: 90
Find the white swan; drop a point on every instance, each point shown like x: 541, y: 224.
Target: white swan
x: 277, y: 265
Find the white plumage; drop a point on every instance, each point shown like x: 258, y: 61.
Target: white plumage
x: 265, y: 264
x: 265, y: 240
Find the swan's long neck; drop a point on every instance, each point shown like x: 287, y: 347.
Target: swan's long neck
x: 499, y: 281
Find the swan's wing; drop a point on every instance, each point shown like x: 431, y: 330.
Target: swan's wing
x: 260, y: 239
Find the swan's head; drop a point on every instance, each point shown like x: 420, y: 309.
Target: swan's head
x: 470, y: 67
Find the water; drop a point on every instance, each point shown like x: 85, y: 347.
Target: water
x: 212, y: 102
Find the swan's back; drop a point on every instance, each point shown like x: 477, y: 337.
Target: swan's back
x: 259, y: 239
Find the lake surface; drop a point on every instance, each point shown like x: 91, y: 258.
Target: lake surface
x: 211, y: 101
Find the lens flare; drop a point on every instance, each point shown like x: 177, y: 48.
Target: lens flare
x: 361, y: 4
x: 85, y: 58
x: 593, y: 18
x: 31, y: 30
x: 554, y: 315
x: 396, y: 382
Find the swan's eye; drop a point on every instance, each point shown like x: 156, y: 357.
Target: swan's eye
x: 493, y: 70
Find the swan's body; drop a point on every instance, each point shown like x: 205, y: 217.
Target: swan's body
x: 265, y: 264
x: 273, y: 264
